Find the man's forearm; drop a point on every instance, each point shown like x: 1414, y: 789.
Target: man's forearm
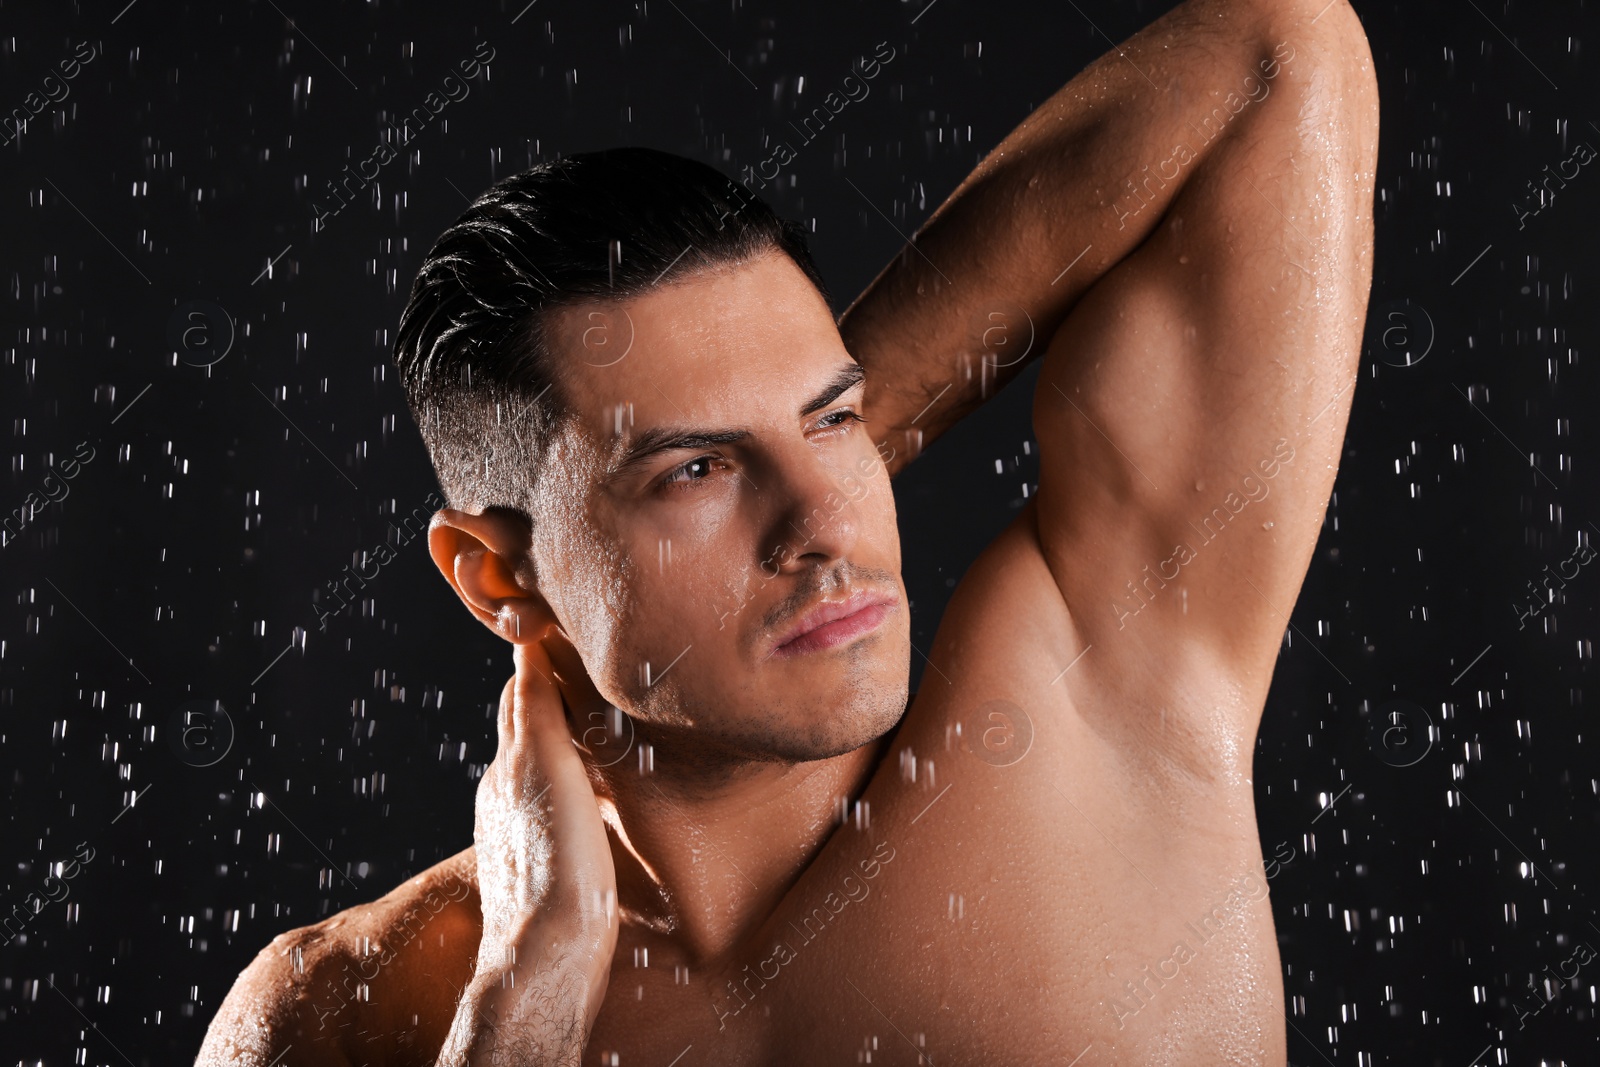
x: 539, y: 1020
x: 1059, y: 202
x: 549, y: 1038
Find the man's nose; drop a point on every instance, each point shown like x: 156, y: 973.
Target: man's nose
x: 817, y: 521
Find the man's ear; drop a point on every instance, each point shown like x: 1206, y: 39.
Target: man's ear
x: 487, y: 560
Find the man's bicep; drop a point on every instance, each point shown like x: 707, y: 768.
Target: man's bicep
x: 1191, y: 409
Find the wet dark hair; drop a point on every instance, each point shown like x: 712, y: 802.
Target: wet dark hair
x: 472, y: 349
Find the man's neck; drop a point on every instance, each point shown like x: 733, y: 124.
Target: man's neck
x: 705, y: 857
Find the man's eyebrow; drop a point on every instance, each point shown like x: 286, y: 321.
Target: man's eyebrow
x: 844, y: 379
x: 668, y: 438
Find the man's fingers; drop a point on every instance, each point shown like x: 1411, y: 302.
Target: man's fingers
x: 537, y: 711
x: 504, y: 728
x: 582, y: 859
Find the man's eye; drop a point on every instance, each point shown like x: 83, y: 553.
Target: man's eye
x: 693, y: 471
x: 838, y: 418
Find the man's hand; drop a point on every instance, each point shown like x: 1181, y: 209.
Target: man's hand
x: 547, y: 886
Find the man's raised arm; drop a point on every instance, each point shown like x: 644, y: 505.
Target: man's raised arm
x: 1068, y: 195
x: 1189, y: 225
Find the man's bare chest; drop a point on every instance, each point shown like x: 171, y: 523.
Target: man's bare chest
x: 969, y: 985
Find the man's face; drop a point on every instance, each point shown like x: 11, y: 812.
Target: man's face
x: 711, y: 491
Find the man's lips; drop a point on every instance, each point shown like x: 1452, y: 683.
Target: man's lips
x: 831, y: 623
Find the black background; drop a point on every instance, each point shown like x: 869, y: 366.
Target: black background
x: 182, y: 564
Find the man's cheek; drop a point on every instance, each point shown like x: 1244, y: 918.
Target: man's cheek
x: 877, y: 505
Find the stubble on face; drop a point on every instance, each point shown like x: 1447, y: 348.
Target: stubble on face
x: 730, y: 348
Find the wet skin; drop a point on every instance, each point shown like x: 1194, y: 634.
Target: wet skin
x: 1079, y: 876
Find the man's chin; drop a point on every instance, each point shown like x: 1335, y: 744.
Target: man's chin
x: 831, y: 726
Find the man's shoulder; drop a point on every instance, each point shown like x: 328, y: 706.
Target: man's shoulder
x: 381, y: 973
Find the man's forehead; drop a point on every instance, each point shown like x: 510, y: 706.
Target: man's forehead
x: 718, y: 350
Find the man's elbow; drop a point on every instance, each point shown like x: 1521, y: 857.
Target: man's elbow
x: 1347, y: 41
x: 1315, y: 52
x: 1328, y: 35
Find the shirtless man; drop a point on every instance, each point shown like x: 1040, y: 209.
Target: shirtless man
x: 1050, y: 856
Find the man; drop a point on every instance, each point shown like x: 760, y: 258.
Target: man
x: 715, y: 833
